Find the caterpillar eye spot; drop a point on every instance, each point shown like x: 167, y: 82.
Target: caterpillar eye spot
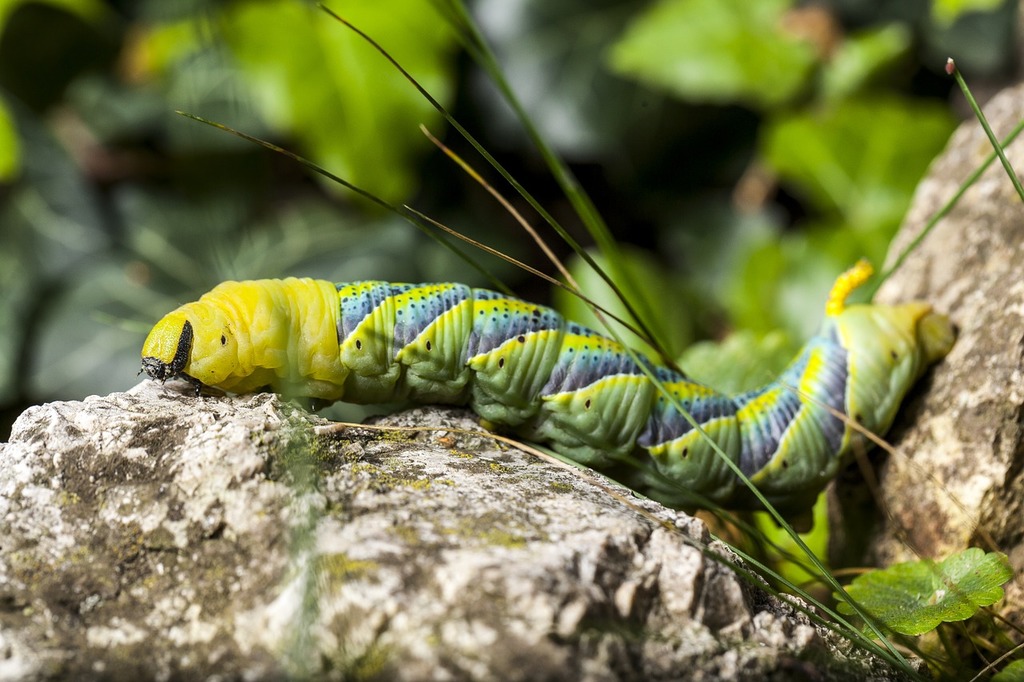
x: 859, y: 418
x: 501, y: 362
x: 359, y: 344
x: 785, y: 464
x: 686, y: 452
x: 586, y: 405
x: 428, y: 345
x: 223, y: 340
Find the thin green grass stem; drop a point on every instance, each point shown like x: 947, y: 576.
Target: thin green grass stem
x: 988, y: 129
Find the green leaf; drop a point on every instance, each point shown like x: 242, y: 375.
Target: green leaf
x: 1011, y: 673
x: 914, y: 597
x: 857, y: 157
x: 10, y: 148
x: 351, y: 111
x: 782, y: 283
x: 782, y: 548
x: 718, y: 51
x: 862, y: 57
x: 162, y: 45
x: 945, y: 12
x: 742, y: 361
x: 645, y: 283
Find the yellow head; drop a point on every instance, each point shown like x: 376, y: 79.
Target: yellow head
x: 195, y: 342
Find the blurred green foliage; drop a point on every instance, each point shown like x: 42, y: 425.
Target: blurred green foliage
x: 331, y: 73
x: 646, y: 281
x: 946, y: 11
x: 1014, y: 672
x: 10, y: 149
x: 718, y: 50
x: 747, y: 151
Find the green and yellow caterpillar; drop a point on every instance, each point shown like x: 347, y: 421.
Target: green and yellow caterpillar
x: 525, y: 368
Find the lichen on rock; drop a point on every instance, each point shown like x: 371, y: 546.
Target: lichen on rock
x: 155, y: 535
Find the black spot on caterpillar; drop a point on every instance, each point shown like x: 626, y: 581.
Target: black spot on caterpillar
x: 525, y: 368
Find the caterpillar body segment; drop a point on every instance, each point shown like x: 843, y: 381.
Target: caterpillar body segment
x: 525, y: 368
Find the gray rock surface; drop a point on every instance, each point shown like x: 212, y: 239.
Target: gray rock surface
x: 155, y: 535
x: 958, y: 479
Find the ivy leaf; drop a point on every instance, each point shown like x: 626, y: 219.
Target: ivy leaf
x: 718, y: 51
x: 744, y: 360
x: 863, y: 57
x: 352, y: 112
x: 1011, y: 673
x: 644, y: 281
x: 856, y: 156
x: 914, y: 597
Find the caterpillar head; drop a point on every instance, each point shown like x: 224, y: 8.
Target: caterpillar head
x: 889, y: 347
x: 194, y: 342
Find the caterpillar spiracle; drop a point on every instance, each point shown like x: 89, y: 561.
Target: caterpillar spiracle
x: 525, y: 368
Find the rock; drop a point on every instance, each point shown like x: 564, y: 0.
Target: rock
x: 156, y: 535
x: 961, y: 442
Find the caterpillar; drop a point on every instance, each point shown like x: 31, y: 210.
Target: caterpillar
x: 524, y: 368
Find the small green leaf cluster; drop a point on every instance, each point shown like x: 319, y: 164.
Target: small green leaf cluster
x: 916, y: 598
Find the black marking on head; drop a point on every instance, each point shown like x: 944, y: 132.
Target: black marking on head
x: 183, y: 350
x: 223, y: 340
x: 428, y: 345
x: 163, y: 371
x: 501, y: 362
